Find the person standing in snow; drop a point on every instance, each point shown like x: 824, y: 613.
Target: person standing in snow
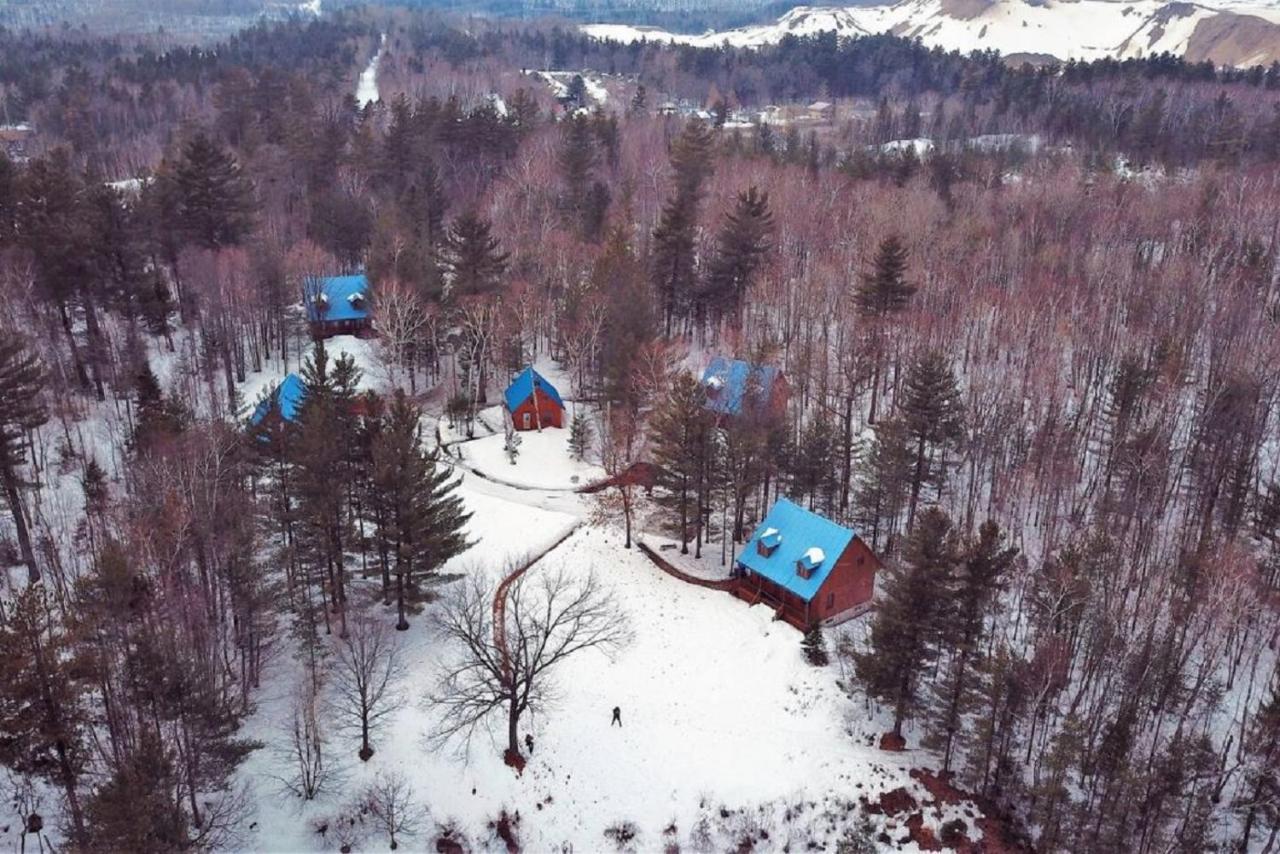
x: 528, y: 742
x: 617, y: 716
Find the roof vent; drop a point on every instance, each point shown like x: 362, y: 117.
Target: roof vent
x: 768, y: 542
x: 810, y: 561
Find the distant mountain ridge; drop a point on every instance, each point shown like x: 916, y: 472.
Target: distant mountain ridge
x: 1224, y: 33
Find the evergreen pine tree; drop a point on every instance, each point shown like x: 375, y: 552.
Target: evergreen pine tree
x: 674, y: 274
x: 21, y: 410
x: 472, y: 258
x: 680, y: 432
x: 318, y: 455
x: 933, y: 418
x: 741, y: 247
x: 883, y: 293
x: 44, y: 722
x: 813, y: 462
x: 815, y: 646
x: 215, y: 201
x: 883, y: 484
x: 136, y: 809
x: 1259, y: 799
x: 980, y: 577
x: 159, y: 418
x: 639, y: 101
x: 576, y: 159
x: 911, y: 618
x: 580, y: 436
x: 424, y: 520
x: 630, y: 321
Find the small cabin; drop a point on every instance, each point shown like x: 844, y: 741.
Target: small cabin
x: 338, y: 305
x: 805, y: 567
x: 822, y: 111
x: 282, y: 406
x: 534, y: 402
x: 735, y: 388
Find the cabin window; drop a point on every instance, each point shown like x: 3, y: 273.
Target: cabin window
x: 861, y: 560
x: 831, y: 601
x: 526, y: 418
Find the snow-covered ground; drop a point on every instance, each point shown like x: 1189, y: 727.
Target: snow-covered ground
x: 725, y: 728
x: 715, y: 563
x: 543, y: 462
x: 727, y: 732
x: 367, y: 85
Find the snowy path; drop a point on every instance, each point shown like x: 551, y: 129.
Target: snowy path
x: 367, y: 86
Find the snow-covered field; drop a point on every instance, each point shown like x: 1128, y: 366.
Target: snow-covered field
x: 726, y: 730
x: 543, y: 461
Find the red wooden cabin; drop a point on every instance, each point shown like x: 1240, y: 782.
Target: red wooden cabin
x: 807, y: 568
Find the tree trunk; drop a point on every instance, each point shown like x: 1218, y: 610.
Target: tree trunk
x: 16, y: 507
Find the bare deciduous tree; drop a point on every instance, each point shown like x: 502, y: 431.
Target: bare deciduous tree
x: 368, y: 668
x: 402, y: 323
x: 305, y: 749
x: 390, y: 800
x: 549, y: 615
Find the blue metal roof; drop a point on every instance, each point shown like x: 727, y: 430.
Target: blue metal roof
x: 522, y: 386
x: 338, y: 292
x: 801, y: 531
x: 728, y: 381
x: 288, y: 396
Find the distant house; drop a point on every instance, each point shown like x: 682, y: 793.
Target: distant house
x: 807, y: 568
x: 534, y: 402
x: 338, y: 305
x: 823, y: 111
x: 15, y: 140
x: 283, y: 405
x: 735, y: 387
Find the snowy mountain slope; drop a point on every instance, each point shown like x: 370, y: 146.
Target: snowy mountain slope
x: 1225, y: 33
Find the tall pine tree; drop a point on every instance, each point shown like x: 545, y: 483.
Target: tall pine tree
x: 215, y: 201
x: 933, y: 418
x: 883, y: 293
x: 911, y: 620
x: 423, y: 519
x: 21, y: 411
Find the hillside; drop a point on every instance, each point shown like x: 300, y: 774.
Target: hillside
x: 1081, y: 30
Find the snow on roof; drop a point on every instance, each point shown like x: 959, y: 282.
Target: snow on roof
x: 806, y: 535
x: 737, y: 378
x: 330, y: 298
x: 522, y: 387
x: 814, y: 556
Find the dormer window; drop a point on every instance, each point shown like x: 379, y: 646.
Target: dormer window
x: 809, y: 562
x: 356, y: 300
x: 714, y: 385
x: 322, y: 301
x: 768, y: 542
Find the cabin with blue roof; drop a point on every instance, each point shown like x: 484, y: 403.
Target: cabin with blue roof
x: 338, y: 305
x: 284, y: 404
x: 805, y: 567
x: 534, y: 402
x: 735, y: 387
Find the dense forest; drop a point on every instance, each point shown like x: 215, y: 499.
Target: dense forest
x: 1028, y: 317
